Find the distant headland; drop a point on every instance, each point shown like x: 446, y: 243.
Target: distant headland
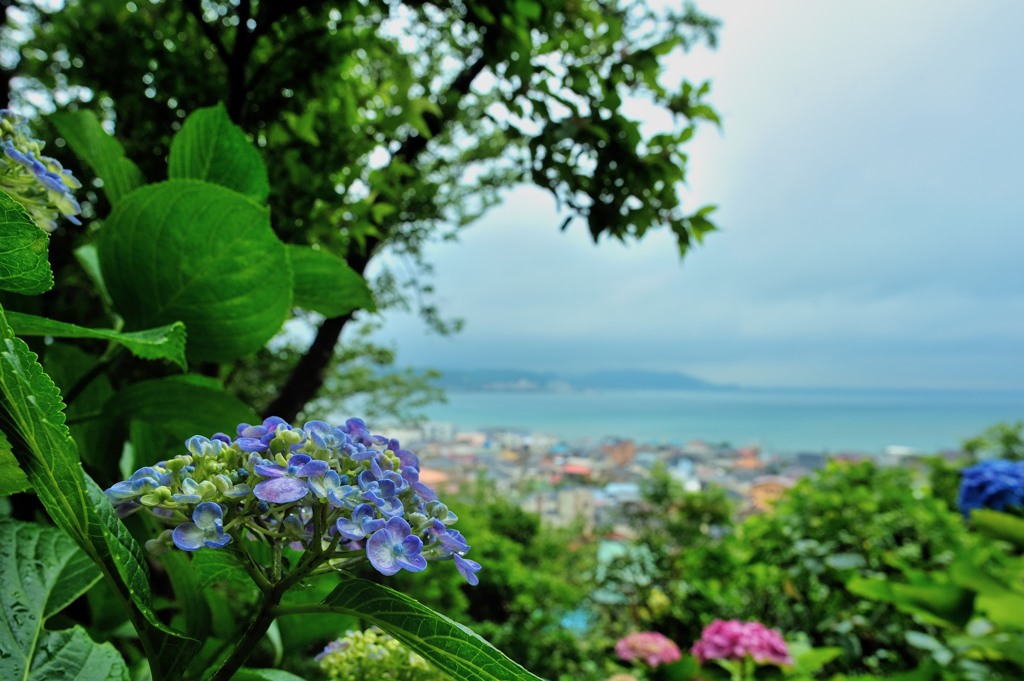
x: 516, y: 380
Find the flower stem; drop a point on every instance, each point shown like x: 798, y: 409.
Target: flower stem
x: 253, y: 634
x: 271, y: 598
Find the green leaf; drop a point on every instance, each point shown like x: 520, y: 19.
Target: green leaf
x: 941, y: 604
x: 809, y: 660
x: 325, y: 283
x: 101, y: 152
x: 210, y: 147
x: 1008, y: 647
x: 213, y: 567
x: 999, y: 525
x: 446, y: 644
x: 164, y: 342
x: 41, y: 573
x: 163, y: 413
x: 32, y: 418
x: 12, y: 479
x: 264, y: 675
x: 304, y: 126
x: 24, y: 263
x: 180, y: 407
x: 185, y: 581
x: 99, y: 439
x: 89, y: 258
x: 201, y: 254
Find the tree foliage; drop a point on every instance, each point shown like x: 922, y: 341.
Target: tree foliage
x: 384, y: 125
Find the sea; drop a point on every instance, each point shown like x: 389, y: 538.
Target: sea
x: 778, y: 420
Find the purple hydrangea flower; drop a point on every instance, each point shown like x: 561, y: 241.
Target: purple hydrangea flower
x: 206, y: 529
x: 996, y: 483
x: 287, y: 483
x: 394, y: 547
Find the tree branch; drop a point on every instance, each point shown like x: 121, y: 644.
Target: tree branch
x: 196, y: 10
x: 310, y: 372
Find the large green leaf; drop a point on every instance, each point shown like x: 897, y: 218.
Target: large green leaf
x: 999, y: 525
x: 940, y: 604
x: 195, y: 252
x: 164, y: 342
x: 32, y: 418
x: 325, y: 283
x: 210, y: 147
x: 24, y: 263
x: 180, y: 406
x: 165, y: 412
x: 41, y: 572
x: 446, y: 644
x: 101, y: 152
x: 12, y: 479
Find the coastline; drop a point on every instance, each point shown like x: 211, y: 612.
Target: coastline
x: 784, y: 421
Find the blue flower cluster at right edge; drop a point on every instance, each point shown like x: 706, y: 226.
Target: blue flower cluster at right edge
x: 270, y: 479
x: 997, y: 484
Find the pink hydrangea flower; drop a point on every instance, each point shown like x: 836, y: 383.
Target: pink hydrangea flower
x: 734, y: 640
x: 648, y: 647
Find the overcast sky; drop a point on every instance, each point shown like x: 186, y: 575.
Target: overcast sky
x: 871, y: 191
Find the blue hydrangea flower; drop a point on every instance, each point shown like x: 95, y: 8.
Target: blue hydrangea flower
x: 364, y: 521
x: 394, y: 547
x: 450, y: 540
x: 287, y: 483
x: 258, y: 438
x: 229, y: 488
x: 382, y: 493
x: 193, y: 492
x: 411, y: 474
x: 141, y: 482
x: 366, y: 488
x: 201, y: 447
x: 996, y: 483
x: 325, y: 436
x: 335, y: 489
x: 358, y: 432
x: 467, y: 568
x: 206, y: 529
x: 404, y: 455
x: 39, y: 183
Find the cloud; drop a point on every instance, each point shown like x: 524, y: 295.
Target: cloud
x: 869, y: 183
